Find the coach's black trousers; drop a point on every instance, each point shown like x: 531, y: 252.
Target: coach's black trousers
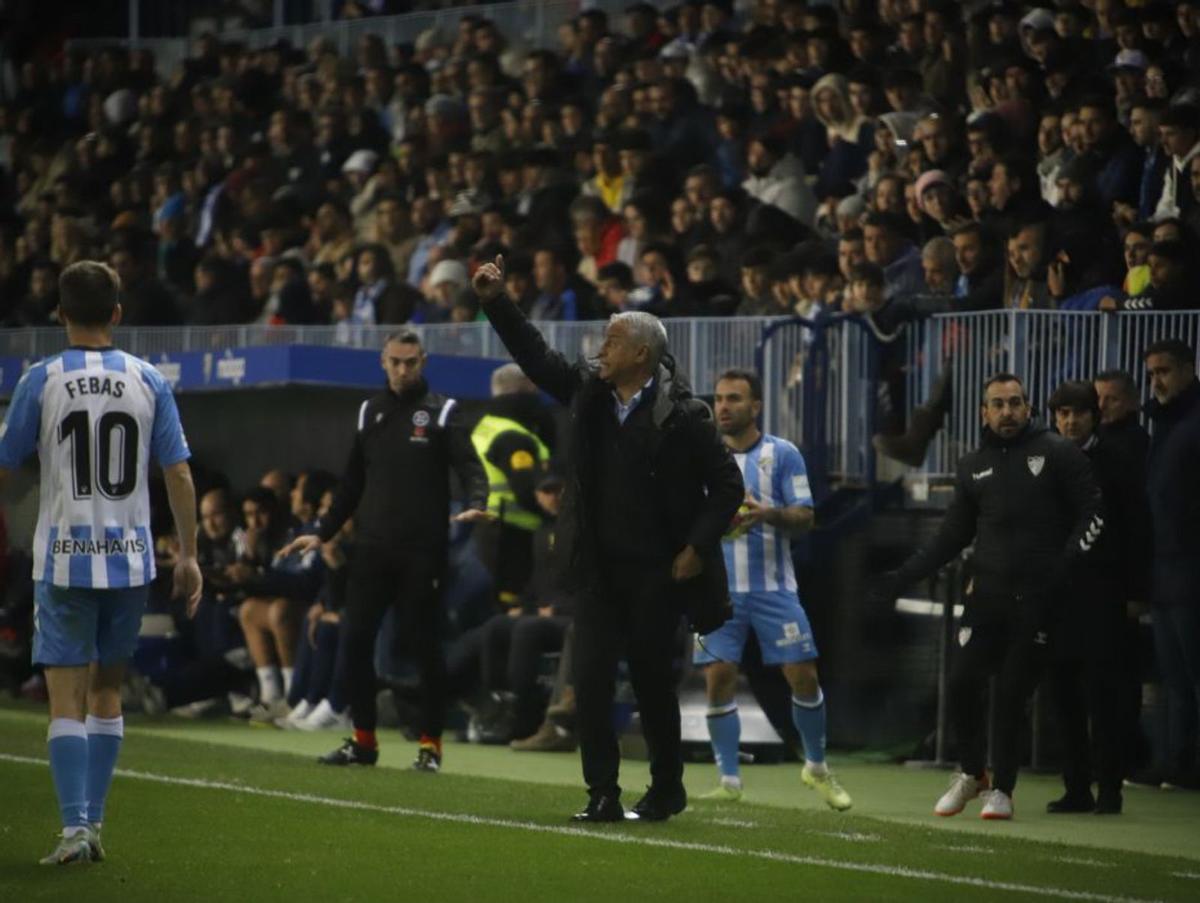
x: 411, y: 580
x: 1015, y: 652
x: 635, y: 612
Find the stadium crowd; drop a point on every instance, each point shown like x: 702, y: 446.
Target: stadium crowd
x: 704, y: 159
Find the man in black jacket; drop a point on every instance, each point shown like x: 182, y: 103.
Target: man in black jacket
x: 1027, y: 499
x: 397, y: 487
x: 1118, y: 397
x: 650, y: 491
x: 1173, y: 487
x: 1092, y: 638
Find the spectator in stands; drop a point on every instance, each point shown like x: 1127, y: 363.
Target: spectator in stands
x: 1173, y: 494
x: 1169, y: 287
x: 756, y: 299
x: 381, y: 297
x: 1111, y: 152
x: 144, y: 300
x: 1179, y: 129
x: 940, y: 266
x: 887, y: 246
x: 1026, y: 286
x: 559, y: 297
x: 1136, y: 248
x: 777, y: 178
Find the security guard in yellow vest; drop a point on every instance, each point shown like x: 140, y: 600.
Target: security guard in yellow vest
x: 514, y: 458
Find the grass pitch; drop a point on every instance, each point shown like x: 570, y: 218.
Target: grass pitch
x: 218, y: 811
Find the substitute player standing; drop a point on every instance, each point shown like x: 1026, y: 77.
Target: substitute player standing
x: 95, y: 416
x: 762, y: 584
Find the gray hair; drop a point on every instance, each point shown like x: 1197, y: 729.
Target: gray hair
x: 941, y: 250
x: 510, y: 379
x: 645, y: 329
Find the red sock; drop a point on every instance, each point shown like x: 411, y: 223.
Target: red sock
x: 435, y: 742
x: 365, y: 738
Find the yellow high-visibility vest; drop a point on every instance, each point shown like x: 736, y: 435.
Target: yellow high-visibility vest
x: 502, y: 501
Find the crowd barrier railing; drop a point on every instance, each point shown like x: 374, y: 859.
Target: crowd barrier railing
x: 819, y: 377
x: 1043, y: 348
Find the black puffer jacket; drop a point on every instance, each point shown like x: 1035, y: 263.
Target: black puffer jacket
x: 1033, y: 510
x: 698, y: 487
x: 1173, y: 488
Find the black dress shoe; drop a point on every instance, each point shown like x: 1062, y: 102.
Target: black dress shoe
x: 599, y: 809
x: 1072, y: 802
x: 1109, y: 803
x: 659, y: 805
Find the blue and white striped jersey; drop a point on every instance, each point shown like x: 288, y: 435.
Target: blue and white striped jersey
x: 760, y: 560
x: 95, y: 418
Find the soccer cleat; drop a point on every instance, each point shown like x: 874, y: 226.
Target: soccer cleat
x: 97, y: 848
x: 963, y: 789
x: 429, y: 758
x: 350, y: 753
x: 723, y: 793
x: 997, y: 806
x: 73, y: 848
x: 828, y: 786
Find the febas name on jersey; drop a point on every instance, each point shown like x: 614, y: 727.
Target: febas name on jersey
x: 95, y: 418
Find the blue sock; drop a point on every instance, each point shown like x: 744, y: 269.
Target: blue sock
x: 809, y: 717
x: 104, y: 745
x: 68, y: 746
x: 725, y: 730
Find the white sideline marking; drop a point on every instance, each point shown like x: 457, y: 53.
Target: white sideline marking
x: 1075, y: 860
x: 852, y: 836
x: 640, y: 839
x: 1195, y: 876
x: 731, y: 822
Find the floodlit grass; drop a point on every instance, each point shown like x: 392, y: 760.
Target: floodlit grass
x: 216, y: 811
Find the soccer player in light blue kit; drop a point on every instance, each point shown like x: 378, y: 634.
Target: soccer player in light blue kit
x: 762, y: 584
x: 95, y: 416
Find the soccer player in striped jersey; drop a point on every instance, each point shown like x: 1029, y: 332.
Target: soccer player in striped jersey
x: 762, y: 584
x: 95, y: 416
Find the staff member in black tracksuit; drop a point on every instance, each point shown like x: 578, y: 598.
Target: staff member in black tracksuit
x: 650, y: 490
x: 1091, y: 634
x: 1027, y: 499
x: 397, y: 487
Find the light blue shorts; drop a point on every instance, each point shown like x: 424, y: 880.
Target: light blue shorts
x: 779, y: 622
x: 77, y: 626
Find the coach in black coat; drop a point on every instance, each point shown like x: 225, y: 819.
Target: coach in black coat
x: 650, y: 491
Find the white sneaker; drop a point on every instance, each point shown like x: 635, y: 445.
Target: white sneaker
x: 290, y: 721
x: 265, y: 713
x: 324, y: 718
x: 997, y: 806
x: 963, y: 789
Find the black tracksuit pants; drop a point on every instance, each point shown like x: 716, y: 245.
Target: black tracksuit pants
x: 1088, y: 690
x: 635, y: 613
x: 410, y: 579
x: 1014, y: 651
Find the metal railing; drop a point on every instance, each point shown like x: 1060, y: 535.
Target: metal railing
x: 819, y: 377
x: 1043, y: 348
